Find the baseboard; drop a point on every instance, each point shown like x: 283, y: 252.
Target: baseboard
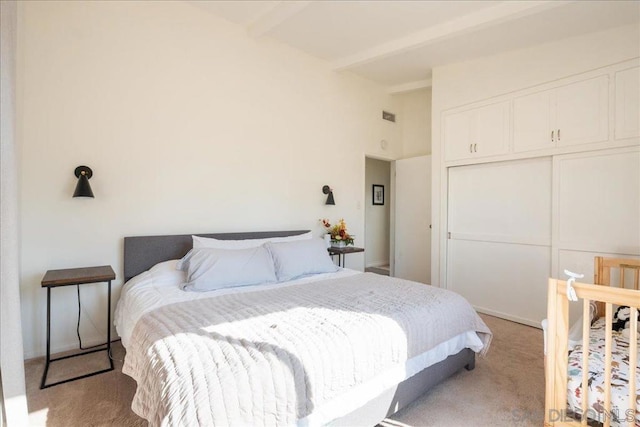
x: 69, y: 346
x: 509, y: 317
x: 377, y: 264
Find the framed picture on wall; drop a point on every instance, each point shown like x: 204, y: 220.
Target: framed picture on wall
x: 378, y: 194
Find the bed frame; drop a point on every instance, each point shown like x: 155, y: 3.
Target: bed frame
x: 606, y: 294
x: 143, y: 252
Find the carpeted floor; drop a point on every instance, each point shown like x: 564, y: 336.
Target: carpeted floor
x: 383, y: 270
x: 505, y: 389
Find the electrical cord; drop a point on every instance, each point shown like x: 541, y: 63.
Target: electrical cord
x: 78, y: 327
x: 111, y: 355
x: 80, y: 338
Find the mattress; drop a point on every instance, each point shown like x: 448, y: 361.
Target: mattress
x: 280, y: 352
x: 620, y: 371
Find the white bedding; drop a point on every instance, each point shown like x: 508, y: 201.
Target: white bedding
x: 163, y: 350
x: 161, y: 285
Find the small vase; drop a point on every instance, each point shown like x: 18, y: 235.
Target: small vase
x: 338, y: 244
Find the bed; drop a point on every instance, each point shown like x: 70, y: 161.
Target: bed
x: 604, y: 359
x: 338, y: 348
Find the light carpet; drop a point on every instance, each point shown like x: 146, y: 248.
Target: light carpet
x: 505, y: 389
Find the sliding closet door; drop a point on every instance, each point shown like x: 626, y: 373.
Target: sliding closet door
x: 499, y: 247
x: 597, y: 206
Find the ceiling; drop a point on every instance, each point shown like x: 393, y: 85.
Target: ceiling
x: 397, y: 43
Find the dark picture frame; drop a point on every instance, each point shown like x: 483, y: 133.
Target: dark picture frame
x: 377, y: 194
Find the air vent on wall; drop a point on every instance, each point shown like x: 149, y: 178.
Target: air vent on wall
x: 389, y: 116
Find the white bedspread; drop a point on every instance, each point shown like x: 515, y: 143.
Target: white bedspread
x: 282, y: 354
x: 161, y: 285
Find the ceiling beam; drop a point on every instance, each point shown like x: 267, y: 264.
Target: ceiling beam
x: 484, y: 18
x: 408, y: 87
x: 275, y: 16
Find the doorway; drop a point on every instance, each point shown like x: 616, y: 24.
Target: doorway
x: 378, y: 216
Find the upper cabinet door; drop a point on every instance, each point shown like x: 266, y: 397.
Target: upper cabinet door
x: 482, y: 131
x: 628, y: 103
x: 583, y: 112
x: 490, y: 133
x: 532, y: 122
x: 457, y: 135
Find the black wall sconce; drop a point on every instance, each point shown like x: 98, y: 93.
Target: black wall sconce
x: 327, y: 190
x: 83, y: 189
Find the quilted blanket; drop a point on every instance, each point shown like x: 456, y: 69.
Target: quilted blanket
x: 271, y: 357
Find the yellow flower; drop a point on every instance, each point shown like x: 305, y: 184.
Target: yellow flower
x: 338, y: 231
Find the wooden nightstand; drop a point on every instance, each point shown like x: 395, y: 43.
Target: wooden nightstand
x: 69, y: 277
x: 342, y: 252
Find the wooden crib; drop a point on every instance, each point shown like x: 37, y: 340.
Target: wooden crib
x: 626, y: 274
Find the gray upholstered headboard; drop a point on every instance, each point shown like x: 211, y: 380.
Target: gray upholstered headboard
x: 143, y: 252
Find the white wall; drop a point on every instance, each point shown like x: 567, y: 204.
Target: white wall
x: 414, y: 121
x: 189, y: 125
x: 14, y: 403
x: 463, y: 83
x: 377, y: 217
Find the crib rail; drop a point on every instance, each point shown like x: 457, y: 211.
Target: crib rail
x: 558, y: 353
x: 626, y: 269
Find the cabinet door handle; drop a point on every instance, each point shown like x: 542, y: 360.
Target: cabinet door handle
x: 475, y: 148
x: 558, y: 134
x: 471, y: 148
x: 552, y: 140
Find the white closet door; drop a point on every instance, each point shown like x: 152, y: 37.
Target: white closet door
x: 499, y: 253
x: 583, y: 112
x: 598, y: 201
x: 490, y: 129
x: 504, y: 280
x: 628, y: 103
x: 532, y: 122
x: 457, y: 135
x: 502, y: 202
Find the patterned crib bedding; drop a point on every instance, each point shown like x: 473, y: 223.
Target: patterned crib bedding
x: 620, y: 414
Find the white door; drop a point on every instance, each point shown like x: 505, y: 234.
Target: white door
x: 457, y: 135
x: 413, y: 219
x: 499, y: 247
x: 532, y: 122
x: 582, y: 112
x: 490, y: 134
x: 627, y: 104
x: 598, y: 201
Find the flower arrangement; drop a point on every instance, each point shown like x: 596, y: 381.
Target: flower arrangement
x: 338, y: 232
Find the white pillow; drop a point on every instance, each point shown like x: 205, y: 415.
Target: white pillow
x: 300, y: 258
x: 210, y: 269
x: 210, y: 242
